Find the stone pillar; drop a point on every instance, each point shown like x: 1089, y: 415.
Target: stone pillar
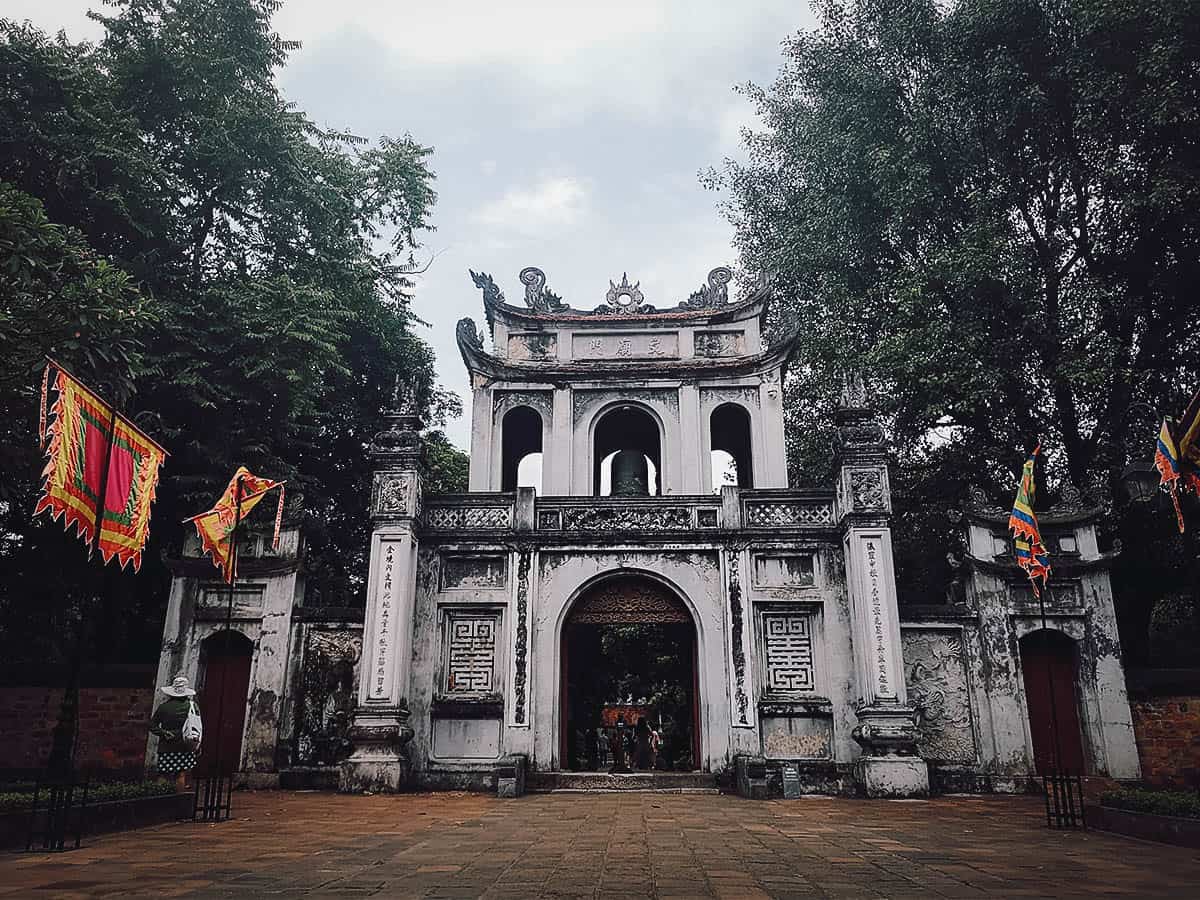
x: 380, y: 728
x: 889, y: 765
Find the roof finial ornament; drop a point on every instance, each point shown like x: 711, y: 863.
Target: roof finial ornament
x: 538, y: 297
x: 623, y: 297
x: 714, y: 294
x: 492, y: 296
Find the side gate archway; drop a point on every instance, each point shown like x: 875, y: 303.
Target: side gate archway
x: 629, y: 651
x: 1050, y: 668
x: 225, y: 661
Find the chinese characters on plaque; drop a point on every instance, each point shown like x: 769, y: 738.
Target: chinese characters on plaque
x: 383, y: 640
x: 883, y: 685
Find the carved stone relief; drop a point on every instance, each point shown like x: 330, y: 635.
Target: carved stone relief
x: 784, y: 570
x: 866, y: 489
x: 627, y: 601
x: 741, y: 702
x: 712, y: 397
x: 533, y: 346
x: 328, y: 691
x: 625, y: 518
x: 584, y: 401
x: 390, y: 494
x: 462, y: 571
x: 524, y: 559
x: 716, y: 344
x: 936, y: 675
x: 503, y: 401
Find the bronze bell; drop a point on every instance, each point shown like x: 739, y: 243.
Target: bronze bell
x: 630, y: 476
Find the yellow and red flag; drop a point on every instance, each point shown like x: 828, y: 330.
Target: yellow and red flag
x: 1174, y: 470
x: 1027, y: 536
x: 93, y: 450
x: 216, y: 526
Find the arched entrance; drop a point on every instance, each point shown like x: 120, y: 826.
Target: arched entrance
x: 225, y: 659
x: 1049, y: 666
x: 628, y: 653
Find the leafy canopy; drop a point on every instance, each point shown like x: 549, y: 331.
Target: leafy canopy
x: 234, y: 272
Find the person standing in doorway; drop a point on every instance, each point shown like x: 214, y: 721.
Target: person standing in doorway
x: 176, y: 723
x: 643, y: 745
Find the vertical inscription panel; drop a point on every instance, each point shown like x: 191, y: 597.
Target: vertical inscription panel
x: 381, y: 655
x: 873, y: 588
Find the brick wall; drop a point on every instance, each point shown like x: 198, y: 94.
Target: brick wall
x: 1167, y: 729
x: 113, y: 722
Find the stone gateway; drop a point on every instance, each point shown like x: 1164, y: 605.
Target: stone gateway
x: 630, y: 569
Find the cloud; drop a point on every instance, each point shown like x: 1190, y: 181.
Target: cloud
x: 553, y: 202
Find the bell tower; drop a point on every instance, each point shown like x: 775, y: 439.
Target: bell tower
x: 626, y: 398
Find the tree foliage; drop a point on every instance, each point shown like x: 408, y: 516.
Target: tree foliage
x: 253, y: 266
x: 992, y: 207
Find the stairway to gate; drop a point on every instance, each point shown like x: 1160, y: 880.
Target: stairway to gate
x: 604, y: 782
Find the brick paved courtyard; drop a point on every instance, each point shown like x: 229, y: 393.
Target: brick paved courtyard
x: 609, y: 845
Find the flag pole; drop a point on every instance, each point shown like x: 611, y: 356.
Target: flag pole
x: 66, y: 730
x: 233, y: 561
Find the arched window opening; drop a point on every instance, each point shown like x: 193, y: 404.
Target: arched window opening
x: 521, y: 450
x: 732, y: 460
x: 724, y: 470
x: 628, y: 455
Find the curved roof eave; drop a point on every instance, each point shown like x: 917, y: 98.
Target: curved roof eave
x: 478, y: 361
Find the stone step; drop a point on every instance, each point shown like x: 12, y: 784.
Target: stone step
x: 604, y: 782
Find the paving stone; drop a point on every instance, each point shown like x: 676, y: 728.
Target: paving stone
x: 611, y: 845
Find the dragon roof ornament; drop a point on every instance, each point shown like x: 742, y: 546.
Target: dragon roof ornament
x: 623, y: 299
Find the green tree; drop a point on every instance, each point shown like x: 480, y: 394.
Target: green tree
x: 992, y: 208
x: 273, y: 253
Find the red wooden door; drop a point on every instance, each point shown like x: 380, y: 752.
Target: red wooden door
x: 1048, y: 658
x: 223, y: 709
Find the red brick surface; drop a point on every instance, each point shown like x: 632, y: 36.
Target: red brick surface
x: 1168, y: 739
x: 113, y: 724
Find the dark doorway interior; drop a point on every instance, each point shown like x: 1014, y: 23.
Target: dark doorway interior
x: 1049, y: 658
x: 225, y: 659
x: 620, y: 673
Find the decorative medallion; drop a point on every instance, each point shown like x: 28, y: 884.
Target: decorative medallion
x: 623, y: 299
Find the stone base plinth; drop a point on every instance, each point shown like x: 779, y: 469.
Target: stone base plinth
x: 892, y: 776
x: 378, y: 763
x: 375, y: 776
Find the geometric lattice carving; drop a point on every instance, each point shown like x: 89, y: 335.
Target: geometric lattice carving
x: 449, y: 517
x: 787, y: 638
x: 470, y: 652
x: 761, y: 514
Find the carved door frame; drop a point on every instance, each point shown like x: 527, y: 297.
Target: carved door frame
x: 613, y: 601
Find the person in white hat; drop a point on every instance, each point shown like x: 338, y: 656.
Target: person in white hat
x: 176, y: 722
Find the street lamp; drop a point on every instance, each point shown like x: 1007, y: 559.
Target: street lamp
x: 1140, y: 482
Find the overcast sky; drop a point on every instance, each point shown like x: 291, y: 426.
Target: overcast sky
x: 567, y: 136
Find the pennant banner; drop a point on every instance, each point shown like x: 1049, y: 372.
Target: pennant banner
x: 90, y: 443
x: 215, y: 527
x: 1027, y: 537
x: 1176, y: 472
